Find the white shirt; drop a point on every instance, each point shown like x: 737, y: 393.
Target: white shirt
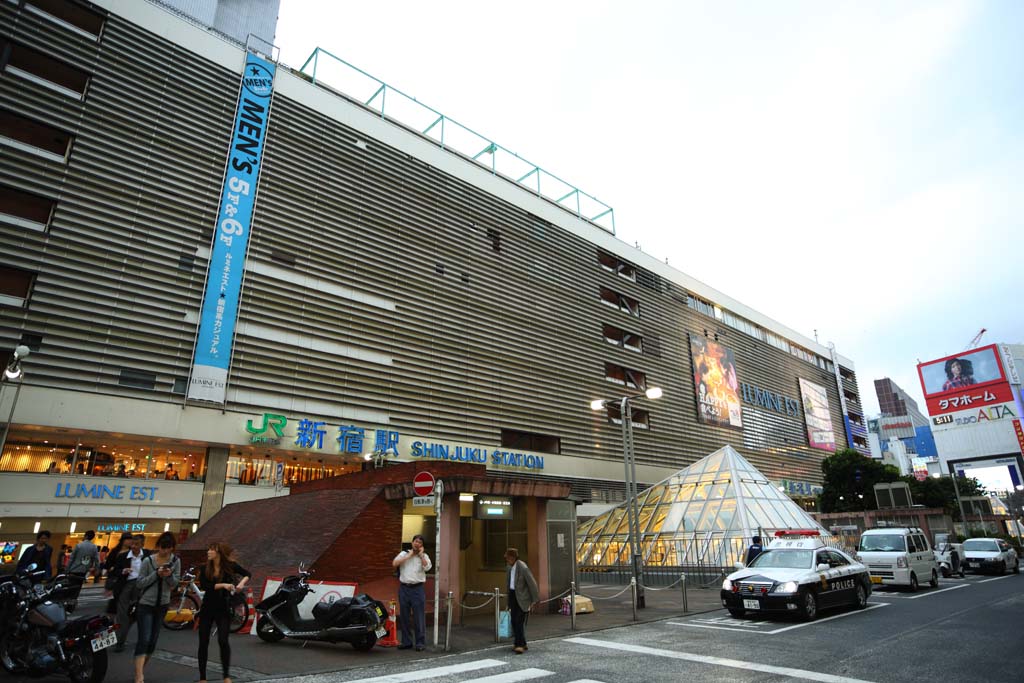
x: 512, y: 577
x: 412, y: 570
x: 136, y: 561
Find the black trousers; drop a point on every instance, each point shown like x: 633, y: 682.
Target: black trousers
x: 206, y: 623
x: 518, y: 620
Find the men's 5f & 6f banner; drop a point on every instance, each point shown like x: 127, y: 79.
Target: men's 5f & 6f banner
x: 231, y: 238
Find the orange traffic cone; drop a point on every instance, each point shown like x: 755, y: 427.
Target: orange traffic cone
x: 390, y: 639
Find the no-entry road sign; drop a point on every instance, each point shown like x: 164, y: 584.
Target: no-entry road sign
x: 423, y: 484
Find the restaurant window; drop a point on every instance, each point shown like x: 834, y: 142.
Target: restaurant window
x: 256, y: 470
x: 24, y: 209
x: 102, y: 456
x: 45, y: 70
x: 32, y: 136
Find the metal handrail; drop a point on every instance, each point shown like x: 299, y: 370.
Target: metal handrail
x: 587, y: 206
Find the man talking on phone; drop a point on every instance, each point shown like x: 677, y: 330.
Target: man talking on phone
x: 412, y: 565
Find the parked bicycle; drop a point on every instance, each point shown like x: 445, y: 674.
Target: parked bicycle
x: 183, y: 610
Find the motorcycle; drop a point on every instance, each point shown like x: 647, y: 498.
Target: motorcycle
x: 949, y: 556
x: 358, y: 620
x: 38, y: 639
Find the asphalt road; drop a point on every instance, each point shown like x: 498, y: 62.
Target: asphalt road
x: 965, y: 631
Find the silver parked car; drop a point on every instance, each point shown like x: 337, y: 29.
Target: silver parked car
x: 990, y: 554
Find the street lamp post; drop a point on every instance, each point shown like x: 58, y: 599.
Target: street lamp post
x: 12, y: 372
x: 629, y: 465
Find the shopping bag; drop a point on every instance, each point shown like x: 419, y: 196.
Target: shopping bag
x: 505, y: 624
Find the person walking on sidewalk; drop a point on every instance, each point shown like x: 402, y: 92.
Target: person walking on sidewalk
x: 220, y: 580
x: 85, y: 558
x: 413, y: 565
x: 523, y: 594
x: 158, y: 576
x: 126, y: 576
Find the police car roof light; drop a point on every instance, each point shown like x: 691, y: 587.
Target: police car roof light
x: 796, y: 533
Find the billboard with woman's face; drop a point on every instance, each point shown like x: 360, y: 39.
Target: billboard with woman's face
x: 715, y: 383
x: 969, y: 380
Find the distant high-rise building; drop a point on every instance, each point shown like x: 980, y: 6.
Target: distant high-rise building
x: 901, y: 419
x: 235, y: 19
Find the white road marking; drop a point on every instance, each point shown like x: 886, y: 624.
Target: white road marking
x: 935, y: 592
x: 436, y: 672
x: 870, y: 607
x: 1008, y: 576
x: 718, y: 661
x: 585, y: 680
x: 513, y: 676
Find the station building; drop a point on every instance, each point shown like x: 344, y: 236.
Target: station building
x: 391, y: 299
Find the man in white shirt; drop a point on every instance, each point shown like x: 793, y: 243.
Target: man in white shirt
x: 128, y: 565
x: 413, y: 565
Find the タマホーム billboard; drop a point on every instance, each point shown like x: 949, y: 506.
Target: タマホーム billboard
x: 965, y: 381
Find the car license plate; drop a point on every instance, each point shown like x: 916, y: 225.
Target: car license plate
x: 974, y: 564
x: 104, y: 640
x: 876, y: 579
x: 751, y: 604
x: 381, y: 632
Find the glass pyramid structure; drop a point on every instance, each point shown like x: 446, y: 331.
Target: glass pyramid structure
x: 705, y: 514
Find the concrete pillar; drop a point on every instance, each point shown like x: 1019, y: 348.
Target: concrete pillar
x: 213, y: 489
x: 537, y: 553
x: 449, y: 564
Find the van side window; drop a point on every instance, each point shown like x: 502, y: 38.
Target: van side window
x: 912, y: 544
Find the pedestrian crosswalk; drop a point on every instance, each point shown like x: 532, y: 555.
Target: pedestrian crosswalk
x: 493, y: 670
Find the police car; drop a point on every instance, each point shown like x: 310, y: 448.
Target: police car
x: 797, y: 574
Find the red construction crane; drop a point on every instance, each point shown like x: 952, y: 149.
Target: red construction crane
x: 977, y: 338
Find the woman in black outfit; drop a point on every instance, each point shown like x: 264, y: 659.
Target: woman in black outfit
x: 220, y: 579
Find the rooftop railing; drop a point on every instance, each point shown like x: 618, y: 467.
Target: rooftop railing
x: 392, y: 103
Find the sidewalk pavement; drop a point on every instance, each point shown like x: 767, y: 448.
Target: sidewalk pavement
x: 252, y: 659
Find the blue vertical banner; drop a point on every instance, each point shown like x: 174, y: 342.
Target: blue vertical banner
x: 217, y: 319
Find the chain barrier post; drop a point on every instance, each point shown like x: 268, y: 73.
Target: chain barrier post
x: 497, y: 615
x: 448, y: 632
x: 682, y: 579
x: 632, y: 585
x: 572, y: 605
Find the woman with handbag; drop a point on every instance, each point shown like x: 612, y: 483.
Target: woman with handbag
x: 523, y: 594
x: 158, y: 576
x: 221, y: 579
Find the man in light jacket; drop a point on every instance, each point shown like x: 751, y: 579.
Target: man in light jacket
x: 523, y: 594
x: 85, y: 557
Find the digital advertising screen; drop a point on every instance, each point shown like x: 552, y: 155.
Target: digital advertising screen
x: 817, y: 416
x: 715, y: 383
x: 969, y: 380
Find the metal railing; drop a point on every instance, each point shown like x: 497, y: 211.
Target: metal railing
x: 389, y: 102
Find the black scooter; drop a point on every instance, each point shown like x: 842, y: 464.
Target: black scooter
x: 358, y: 620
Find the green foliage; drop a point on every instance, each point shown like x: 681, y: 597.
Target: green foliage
x: 850, y: 480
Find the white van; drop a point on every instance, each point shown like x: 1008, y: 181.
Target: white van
x: 898, y: 556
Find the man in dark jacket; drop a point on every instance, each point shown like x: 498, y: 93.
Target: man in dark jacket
x: 754, y: 550
x: 124, y: 574
x: 41, y: 554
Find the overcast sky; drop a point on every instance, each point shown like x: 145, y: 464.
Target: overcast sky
x: 853, y: 168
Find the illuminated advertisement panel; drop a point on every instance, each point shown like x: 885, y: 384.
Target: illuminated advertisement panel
x: 966, y: 381
x: 715, y: 383
x: 817, y: 416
